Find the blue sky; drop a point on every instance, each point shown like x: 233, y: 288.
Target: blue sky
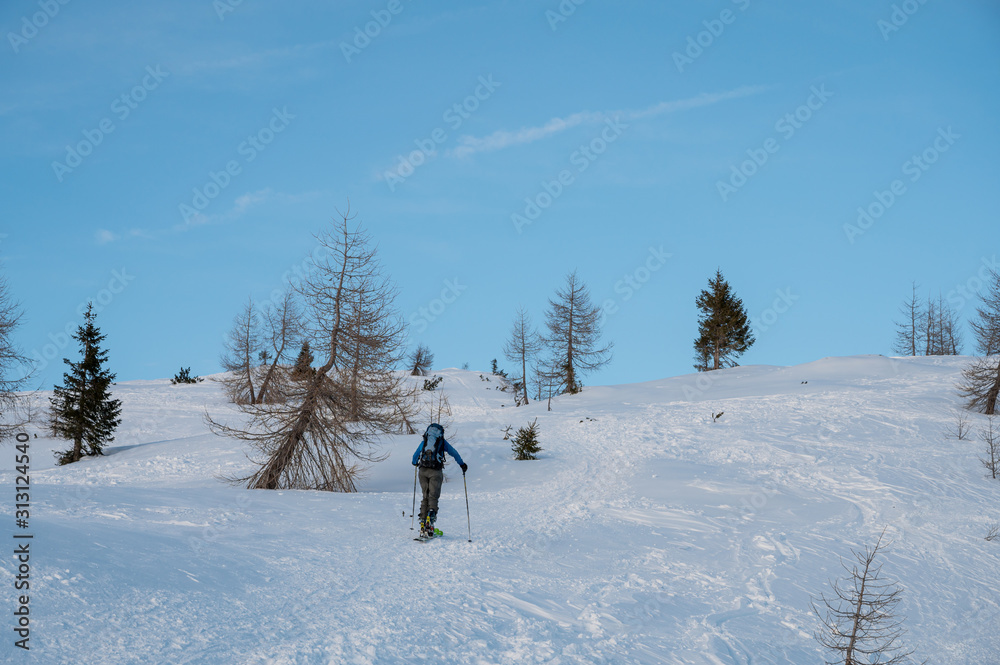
x: 170, y: 161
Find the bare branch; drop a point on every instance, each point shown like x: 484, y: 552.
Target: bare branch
x: 574, y: 327
x: 14, y: 368
x: 324, y: 432
x: 860, y: 626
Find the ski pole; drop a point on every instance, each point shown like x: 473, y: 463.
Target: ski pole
x: 414, y: 506
x: 468, y: 519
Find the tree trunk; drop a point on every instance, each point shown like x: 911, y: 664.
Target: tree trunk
x: 524, y: 374
x: 271, y: 474
x: 993, y: 393
x: 718, y: 345
x: 270, y: 372
x: 249, y: 370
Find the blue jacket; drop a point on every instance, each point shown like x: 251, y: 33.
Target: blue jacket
x: 446, y: 448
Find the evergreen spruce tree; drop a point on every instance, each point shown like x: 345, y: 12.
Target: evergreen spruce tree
x: 526, y: 445
x: 303, y: 364
x: 723, y: 327
x: 82, y: 408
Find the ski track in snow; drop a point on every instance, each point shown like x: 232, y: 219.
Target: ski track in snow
x: 645, y: 533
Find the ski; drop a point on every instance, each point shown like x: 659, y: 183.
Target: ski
x: 423, y: 539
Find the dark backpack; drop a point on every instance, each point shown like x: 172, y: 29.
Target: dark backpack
x: 432, y: 456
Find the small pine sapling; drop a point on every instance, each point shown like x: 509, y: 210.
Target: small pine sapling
x: 432, y: 384
x: 526, y: 445
x: 184, y: 376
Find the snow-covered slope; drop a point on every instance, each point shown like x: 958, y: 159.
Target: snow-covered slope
x: 646, y: 533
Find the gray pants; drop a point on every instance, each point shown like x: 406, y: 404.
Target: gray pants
x: 430, y: 486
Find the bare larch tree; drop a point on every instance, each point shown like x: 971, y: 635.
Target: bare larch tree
x: 990, y: 434
x: 281, y: 333
x: 574, y: 334
x: 325, y: 433
x: 940, y: 333
x: 522, y: 346
x: 242, y: 347
x: 260, y: 345
x: 909, y: 328
x: 14, y: 367
x: 986, y: 324
x: 931, y: 330
x: 981, y: 380
x: 860, y: 624
x: 420, y: 361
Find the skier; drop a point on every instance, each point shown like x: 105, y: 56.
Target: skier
x: 429, y: 456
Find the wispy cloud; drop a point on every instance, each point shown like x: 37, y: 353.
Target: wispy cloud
x: 253, y: 59
x: 468, y: 145
x: 241, y: 205
x: 103, y: 237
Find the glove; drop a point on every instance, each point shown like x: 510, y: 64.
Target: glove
x: 414, y: 463
x: 465, y: 467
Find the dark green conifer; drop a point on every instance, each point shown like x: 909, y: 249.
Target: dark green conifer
x: 724, y: 331
x: 303, y: 364
x: 184, y: 376
x: 82, y: 408
x: 526, y: 445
